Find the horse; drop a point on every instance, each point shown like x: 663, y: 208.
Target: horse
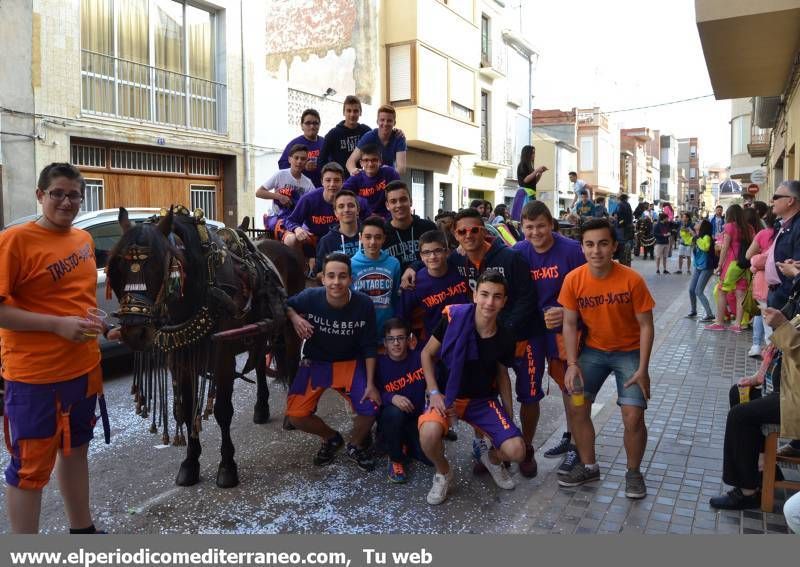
x: 190, y: 301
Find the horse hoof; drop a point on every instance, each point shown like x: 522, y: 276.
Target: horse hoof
x: 227, y: 476
x: 188, y: 474
x: 261, y: 414
x: 287, y: 424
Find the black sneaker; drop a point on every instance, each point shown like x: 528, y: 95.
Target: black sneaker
x: 579, y: 475
x: 634, y: 485
x: 451, y: 435
x: 708, y: 319
x: 328, y: 449
x: 667, y: 272
x: 736, y: 500
x: 692, y: 315
x: 559, y: 449
x: 360, y: 457
x: 569, y: 461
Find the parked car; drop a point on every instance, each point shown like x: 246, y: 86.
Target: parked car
x: 105, y: 231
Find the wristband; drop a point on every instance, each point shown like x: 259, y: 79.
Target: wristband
x: 434, y: 392
x: 572, y: 364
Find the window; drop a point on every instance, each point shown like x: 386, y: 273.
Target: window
x: 151, y: 60
x: 740, y: 134
x: 484, y: 125
x: 400, y: 73
x: 88, y: 156
x: 692, y: 173
x: 204, y: 197
x: 462, y: 91
x: 105, y: 236
x: 485, y: 41
x: 432, y: 69
x: 587, y: 153
x: 93, y: 197
x: 418, y: 191
x: 693, y: 151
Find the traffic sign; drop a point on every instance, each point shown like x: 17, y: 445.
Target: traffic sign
x: 759, y: 176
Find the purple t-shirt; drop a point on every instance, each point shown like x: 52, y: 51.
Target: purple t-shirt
x: 432, y: 295
x: 388, y: 151
x: 403, y: 377
x: 548, y: 271
x: 314, y: 213
x: 373, y: 189
x: 314, y: 149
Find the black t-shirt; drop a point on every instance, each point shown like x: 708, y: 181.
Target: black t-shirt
x: 524, y: 171
x: 479, y: 379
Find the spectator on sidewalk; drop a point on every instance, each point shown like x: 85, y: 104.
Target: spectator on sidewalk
x: 685, y: 239
x: 704, y: 264
x: 661, y: 232
x: 785, y: 205
x: 528, y: 176
x: 578, y: 186
x: 619, y: 340
x: 758, y: 255
x: 717, y: 221
x: 310, y: 138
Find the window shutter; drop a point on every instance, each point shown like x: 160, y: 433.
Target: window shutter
x: 399, y: 73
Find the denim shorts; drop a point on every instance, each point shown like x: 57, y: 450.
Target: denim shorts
x: 596, y: 365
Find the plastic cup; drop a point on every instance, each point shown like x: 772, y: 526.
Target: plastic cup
x: 546, y: 324
x: 577, y: 398
x: 744, y: 394
x: 95, y: 314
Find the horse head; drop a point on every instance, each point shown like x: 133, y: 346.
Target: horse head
x: 139, y: 270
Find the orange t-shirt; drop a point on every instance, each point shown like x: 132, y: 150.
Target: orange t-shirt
x: 608, y: 306
x: 54, y: 273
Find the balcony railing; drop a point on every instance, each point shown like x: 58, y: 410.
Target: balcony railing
x: 759, y: 143
x: 111, y: 86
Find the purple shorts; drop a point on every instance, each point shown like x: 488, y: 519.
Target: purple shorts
x: 485, y: 414
x: 348, y: 377
x: 40, y: 419
x: 529, y: 369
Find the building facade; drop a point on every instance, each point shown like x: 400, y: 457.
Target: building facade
x: 144, y: 96
x: 765, y: 70
x: 555, y: 188
x: 689, y: 161
x: 668, y: 190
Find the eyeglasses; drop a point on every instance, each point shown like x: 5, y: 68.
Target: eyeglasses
x: 398, y: 339
x: 471, y: 230
x: 59, y: 196
x: 776, y: 196
x: 434, y: 252
x: 311, y: 123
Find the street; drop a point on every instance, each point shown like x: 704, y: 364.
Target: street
x: 133, y: 488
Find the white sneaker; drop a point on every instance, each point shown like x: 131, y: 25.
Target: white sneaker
x: 499, y: 473
x: 438, y: 492
x: 754, y: 352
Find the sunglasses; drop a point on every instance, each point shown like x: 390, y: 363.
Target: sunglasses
x: 471, y: 230
x: 776, y: 197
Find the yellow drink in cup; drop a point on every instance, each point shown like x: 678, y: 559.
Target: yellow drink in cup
x: 744, y: 394
x: 95, y: 314
x: 577, y: 398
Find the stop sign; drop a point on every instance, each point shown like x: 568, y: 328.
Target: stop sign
x: 752, y: 188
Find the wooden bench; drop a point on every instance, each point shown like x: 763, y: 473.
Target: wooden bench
x: 771, y: 459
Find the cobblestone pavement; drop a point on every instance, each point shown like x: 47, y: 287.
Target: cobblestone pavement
x: 133, y: 488
x: 691, y: 372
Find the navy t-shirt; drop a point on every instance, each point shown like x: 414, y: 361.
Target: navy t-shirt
x: 389, y: 151
x: 347, y: 333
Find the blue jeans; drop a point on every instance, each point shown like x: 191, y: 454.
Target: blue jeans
x: 399, y: 428
x: 697, y: 290
x: 596, y: 365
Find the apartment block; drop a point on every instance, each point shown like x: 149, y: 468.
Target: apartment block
x: 689, y: 161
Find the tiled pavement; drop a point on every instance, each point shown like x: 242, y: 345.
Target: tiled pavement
x: 691, y: 372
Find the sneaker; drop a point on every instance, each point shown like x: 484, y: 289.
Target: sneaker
x: 579, y: 475
x: 677, y: 272
x: 438, y: 492
x: 688, y: 272
x: 528, y: 468
x: 658, y: 272
x: 559, y: 449
x: 736, y: 500
x: 479, y: 447
x: 327, y: 452
x: 360, y: 457
x: 692, y: 315
x: 708, y: 319
x: 715, y: 327
x: 634, y: 485
x: 667, y: 272
x: 736, y: 329
x: 499, y: 473
x: 569, y: 461
x: 397, y: 473
x: 754, y: 352
x: 451, y: 435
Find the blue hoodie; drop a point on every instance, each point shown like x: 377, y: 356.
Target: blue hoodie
x: 380, y: 280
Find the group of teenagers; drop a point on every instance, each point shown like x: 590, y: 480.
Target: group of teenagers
x: 417, y: 347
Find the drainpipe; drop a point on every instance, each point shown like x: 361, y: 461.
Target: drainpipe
x: 245, y: 105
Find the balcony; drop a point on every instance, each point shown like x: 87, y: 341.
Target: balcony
x: 493, y: 63
x: 749, y: 47
x: 759, y: 144
x: 429, y: 130
x: 118, y: 88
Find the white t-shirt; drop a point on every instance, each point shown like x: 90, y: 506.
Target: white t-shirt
x: 283, y: 182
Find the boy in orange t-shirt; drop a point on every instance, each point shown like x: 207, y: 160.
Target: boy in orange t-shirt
x: 616, y: 309
x: 50, y: 354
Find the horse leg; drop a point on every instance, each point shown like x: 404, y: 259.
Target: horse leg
x: 227, y: 474
x: 261, y: 409
x: 189, y: 471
